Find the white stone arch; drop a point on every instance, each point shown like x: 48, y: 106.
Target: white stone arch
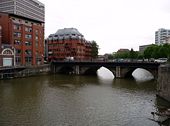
x: 7, y: 51
x: 8, y: 57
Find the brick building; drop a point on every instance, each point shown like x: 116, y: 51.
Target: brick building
x: 68, y: 44
x: 25, y: 37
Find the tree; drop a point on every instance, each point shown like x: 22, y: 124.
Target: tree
x: 149, y: 52
x: 95, y: 48
x: 155, y: 51
x: 133, y: 54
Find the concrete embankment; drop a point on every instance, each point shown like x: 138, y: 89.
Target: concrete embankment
x: 16, y: 72
x: 163, y: 86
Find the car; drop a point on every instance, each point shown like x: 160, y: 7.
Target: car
x: 161, y: 60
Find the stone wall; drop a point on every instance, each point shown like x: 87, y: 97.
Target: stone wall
x: 163, y: 86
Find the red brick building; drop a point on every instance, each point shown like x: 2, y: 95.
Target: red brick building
x: 68, y: 44
x: 26, y: 38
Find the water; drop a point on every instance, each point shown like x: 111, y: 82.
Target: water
x: 68, y: 100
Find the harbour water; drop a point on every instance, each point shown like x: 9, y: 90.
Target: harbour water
x: 70, y: 100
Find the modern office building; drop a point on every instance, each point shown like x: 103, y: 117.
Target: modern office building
x: 24, y: 38
x: 68, y: 44
x: 161, y: 36
x: 32, y: 9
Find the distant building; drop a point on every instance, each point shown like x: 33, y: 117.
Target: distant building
x: 143, y: 47
x: 168, y: 40
x: 23, y: 36
x: 122, y: 50
x: 32, y: 9
x: 68, y: 44
x: 161, y: 36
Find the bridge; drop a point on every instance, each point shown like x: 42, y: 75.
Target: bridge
x: 119, y: 69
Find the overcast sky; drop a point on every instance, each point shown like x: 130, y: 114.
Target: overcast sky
x: 113, y: 24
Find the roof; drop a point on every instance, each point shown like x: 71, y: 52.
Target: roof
x: 66, y: 33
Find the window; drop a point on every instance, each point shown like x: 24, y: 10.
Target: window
x: 36, y: 37
x: 28, y: 36
x: 17, y: 27
x: 27, y: 43
x: 17, y: 51
x: 17, y: 42
x: 18, y: 60
x: 17, y: 34
x: 36, y: 32
x: 28, y: 52
x: 36, y: 43
x: 27, y: 29
x: 28, y: 60
x: 38, y: 61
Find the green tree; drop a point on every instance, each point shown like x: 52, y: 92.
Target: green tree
x: 110, y: 56
x: 155, y: 51
x: 133, y: 54
x: 123, y: 55
x: 95, y: 48
x: 149, y: 52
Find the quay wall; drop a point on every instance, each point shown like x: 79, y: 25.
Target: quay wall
x: 26, y: 72
x: 163, y: 87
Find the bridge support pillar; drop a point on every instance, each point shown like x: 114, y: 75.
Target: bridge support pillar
x: 121, y: 72
x: 118, y: 72
x: 77, y: 69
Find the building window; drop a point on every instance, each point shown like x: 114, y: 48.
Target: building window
x: 36, y: 44
x: 17, y: 42
x: 18, y: 60
x: 27, y: 29
x: 17, y: 34
x: 28, y: 36
x: 28, y: 52
x: 36, y: 32
x: 17, y: 27
x: 17, y: 51
x: 28, y: 60
x: 38, y: 61
x: 27, y: 43
x: 36, y: 37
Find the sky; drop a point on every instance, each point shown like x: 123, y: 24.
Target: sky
x: 113, y: 24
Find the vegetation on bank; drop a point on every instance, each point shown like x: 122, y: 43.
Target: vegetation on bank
x: 95, y: 49
x: 153, y: 51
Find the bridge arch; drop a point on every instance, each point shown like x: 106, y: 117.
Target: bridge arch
x: 144, y: 73
x: 64, y: 70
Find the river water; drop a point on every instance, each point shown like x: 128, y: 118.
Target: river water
x: 69, y: 100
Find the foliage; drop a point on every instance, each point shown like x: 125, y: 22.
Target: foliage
x: 127, y: 55
x: 155, y: 51
x: 133, y: 54
x: 110, y: 56
x: 95, y: 48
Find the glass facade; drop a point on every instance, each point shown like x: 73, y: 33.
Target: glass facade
x: 32, y: 9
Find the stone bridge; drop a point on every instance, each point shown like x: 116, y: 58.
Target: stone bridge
x: 119, y: 69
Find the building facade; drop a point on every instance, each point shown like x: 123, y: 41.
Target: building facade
x: 143, y: 47
x: 25, y: 37
x: 68, y: 44
x: 32, y: 9
x: 161, y: 36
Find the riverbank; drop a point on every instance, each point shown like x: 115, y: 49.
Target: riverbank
x: 23, y: 71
